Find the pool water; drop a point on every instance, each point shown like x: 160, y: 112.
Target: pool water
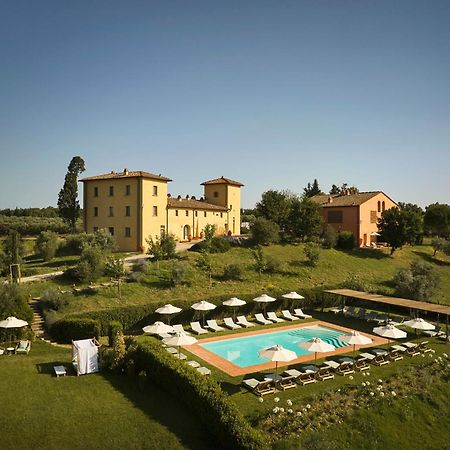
x: 243, y: 351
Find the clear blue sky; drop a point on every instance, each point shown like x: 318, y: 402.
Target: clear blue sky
x: 270, y: 93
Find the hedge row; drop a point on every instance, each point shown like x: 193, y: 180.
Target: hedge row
x: 136, y: 316
x: 202, y: 395
x: 31, y: 226
x: 66, y: 330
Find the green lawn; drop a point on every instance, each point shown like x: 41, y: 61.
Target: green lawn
x: 101, y: 411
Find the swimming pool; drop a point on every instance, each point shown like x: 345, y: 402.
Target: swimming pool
x: 243, y: 351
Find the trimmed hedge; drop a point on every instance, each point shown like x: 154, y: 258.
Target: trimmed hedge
x: 202, y: 395
x: 66, y: 330
x: 115, y: 329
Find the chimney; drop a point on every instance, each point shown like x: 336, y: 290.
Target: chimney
x: 187, y: 197
x: 168, y: 195
x: 193, y: 197
x: 330, y: 199
x: 125, y: 171
x: 179, y: 198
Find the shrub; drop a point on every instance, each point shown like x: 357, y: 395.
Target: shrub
x: 163, y: 247
x: 419, y: 282
x: 72, y: 245
x: 216, y: 245
x: 115, y: 328
x: 202, y: 395
x: 177, y: 274
x: 356, y: 283
x: 46, y: 245
x: 346, y: 240
x: 312, y: 253
x: 53, y: 299
x: 264, y: 232
x: 68, y: 329
x: 91, y: 265
x: 330, y: 237
x: 232, y: 272
x: 273, y: 264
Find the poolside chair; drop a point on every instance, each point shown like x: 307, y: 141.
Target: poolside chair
x: 423, y: 347
x: 381, y: 318
x: 380, y: 360
x: 361, y: 314
x: 171, y: 350
x: 242, y: 320
x: 2, y: 350
x: 412, y: 350
x: 395, y: 355
x: 197, y: 328
x: 179, y: 329
x: 299, y: 313
x: 436, y: 332
x: 286, y: 383
x: 345, y: 368
x: 332, y: 364
x: 350, y: 311
x: 273, y: 317
x: 306, y: 378
x: 288, y: 316
x: 23, y: 348
x: 228, y: 322
x: 180, y: 356
x: 164, y: 335
x: 194, y: 364
x: 370, y: 317
x: 324, y: 373
x: 212, y: 325
x: 262, y: 320
x: 259, y: 387
x: 203, y: 370
x: 360, y: 365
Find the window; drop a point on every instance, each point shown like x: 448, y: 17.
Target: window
x: 204, y: 214
x: 334, y: 216
x: 216, y: 194
x: 128, y: 211
x: 234, y: 225
x: 176, y: 212
x: 221, y: 214
x: 95, y: 191
x: 111, y: 191
x: 95, y: 211
x: 155, y: 190
x: 111, y: 211
x: 379, y: 206
x: 111, y: 231
x: 95, y: 229
x: 127, y: 232
x: 231, y: 206
x: 196, y: 213
x: 127, y: 189
x: 162, y: 230
x: 373, y: 217
x: 383, y: 206
x: 187, y: 213
x: 155, y: 211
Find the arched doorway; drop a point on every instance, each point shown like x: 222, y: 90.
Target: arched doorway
x: 186, y: 232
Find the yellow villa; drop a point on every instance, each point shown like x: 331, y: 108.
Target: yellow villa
x: 133, y: 205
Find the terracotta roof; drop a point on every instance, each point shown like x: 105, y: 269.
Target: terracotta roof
x: 127, y: 174
x: 344, y: 200
x: 222, y: 180
x: 175, y: 203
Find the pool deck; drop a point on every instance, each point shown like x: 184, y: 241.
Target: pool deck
x: 231, y: 369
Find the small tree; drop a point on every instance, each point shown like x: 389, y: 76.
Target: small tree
x: 330, y: 237
x: 168, y: 245
x: 14, y: 250
x: 260, y: 260
x: 346, y: 240
x: 178, y: 274
x: 204, y: 262
x: 46, y: 245
x: 312, y: 189
x: 210, y: 232
x: 275, y: 206
x: 264, y: 231
x: 393, y: 228
x: 305, y: 221
x: 155, y: 249
x: 312, y: 253
x: 115, y: 269
x: 438, y: 245
x: 232, y: 272
x: 101, y: 239
x: 335, y: 190
x: 68, y: 205
x: 91, y: 265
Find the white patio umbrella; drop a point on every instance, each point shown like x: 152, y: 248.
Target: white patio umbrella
x: 234, y: 302
x: 168, y: 310
x: 264, y: 299
x: 316, y: 345
x: 157, y: 328
x: 203, y: 306
x: 419, y: 324
x: 355, y: 338
x: 179, y: 339
x: 293, y: 296
x: 277, y: 353
x: 389, y: 331
x: 12, y: 322
x: 374, y: 233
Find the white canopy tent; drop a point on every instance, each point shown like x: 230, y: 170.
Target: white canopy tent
x: 85, y: 356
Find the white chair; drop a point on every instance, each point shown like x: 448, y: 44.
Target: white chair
x: 228, y: 322
x: 299, y: 313
x: 179, y: 329
x: 212, y: 325
x: 273, y: 317
x: 242, y: 320
x: 197, y: 328
x: 262, y: 320
x: 204, y: 370
x: 288, y: 316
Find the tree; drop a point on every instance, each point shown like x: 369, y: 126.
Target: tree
x: 210, y: 232
x: 264, y: 231
x: 101, y: 239
x: 312, y: 189
x: 14, y: 250
x: 438, y: 245
x: 13, y: 302
x: 418, y: 282
x: 68, y: 205
x: 46, y: 245
x: 335, y: 190
x: 330, y: 237
x: 275, y: 206
x: 260, y: 260
x: 437, y: 219
x: 91, y: 265
x: 168, y: 245
x: 312, y: 253
x: 204, y: 262
x: 305, y: 220
x: 393, y: 228
x: 414, y: 225
x: 163, y: 247
x: 115, y: 269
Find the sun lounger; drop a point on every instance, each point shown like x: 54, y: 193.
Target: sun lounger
x: 286, y: 383
x: 172, y: 350
x: 380, y: 360
x: 436, y: 332
x: 361, y: 314
x: 180, y: 356
x: 179, y: 329
x: 395, y: 355
x: 345, y: 368
x: 381, y: 318
x: 360, y: 365
x: 292, y: 372
x: 370, y: 317
x: 378, y: 351
x: 324, y: 373
x: 212, y: 325
x: 395, y: 321
x: 331, y: 364
x: 194, y: 364
x: 197, y: 328
x: 288, y: 316
x: 23, y: 348
x: 306, y: 378
x: 242, y: 320
x: 299, y: 313
x: 366, y: 356
x: 228, y: 322
x: 262, y: 320
x: 413, y: 350
x: 273, y: 317
x: 338, y: 310
x: 164, y: 335
x: 350, y: 311
x: 400, y: 348
x: 423, y: 347
x: 259, y: 387
x: 203, y: 370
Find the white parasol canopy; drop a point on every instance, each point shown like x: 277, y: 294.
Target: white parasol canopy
x: 390, y: 332
x: 374, y: 233
x: 316, y: 345
x: 234, y: 302
x: 13, y: 322
x: 168, y: 310
x: 293, y: 296
x: 264, y: 299
x: 277, y: 353
x: 355, y: 338
x: 419, y: 324
x: 179, y: 339
x: 157, y: 328
x: 203, y: 306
